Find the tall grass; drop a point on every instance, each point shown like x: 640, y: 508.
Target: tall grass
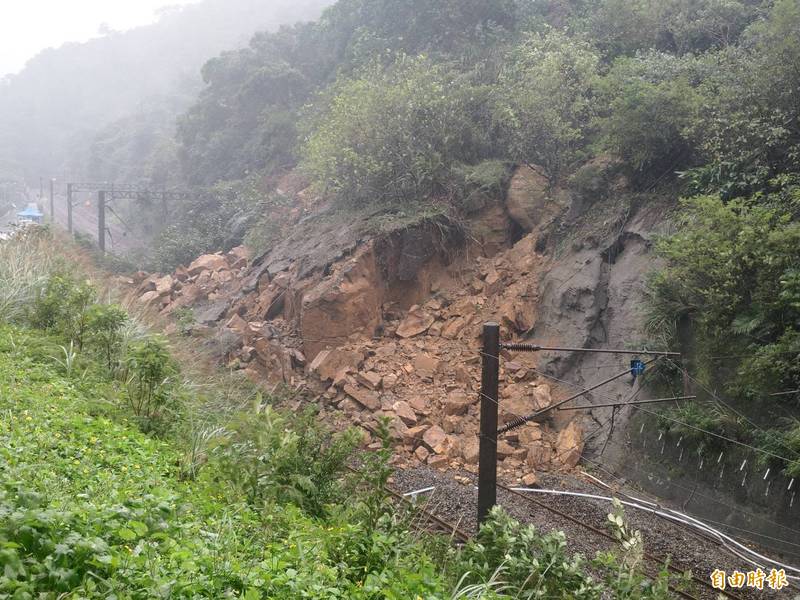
x: 26, y: 262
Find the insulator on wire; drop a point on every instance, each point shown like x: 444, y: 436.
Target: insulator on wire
x: 680, y: 456
x: 743, y: 465
x: 769, y: 483
x: 719, y: 458
x: 766, y: 474
x: 791, y: 483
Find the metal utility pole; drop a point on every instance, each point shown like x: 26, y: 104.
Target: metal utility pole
x: 69, y: 207
x: 487, y: 466
x: 101, y: 220
x: 52, y: 201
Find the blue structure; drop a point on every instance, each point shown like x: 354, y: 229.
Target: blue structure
x: 31, y: 214
x: 637, y: 367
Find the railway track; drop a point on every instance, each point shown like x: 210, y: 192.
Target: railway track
x: 659, y: 561
x: 428, y: 520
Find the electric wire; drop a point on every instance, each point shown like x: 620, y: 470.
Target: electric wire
x: 674, y: 420
x: 732, y: 409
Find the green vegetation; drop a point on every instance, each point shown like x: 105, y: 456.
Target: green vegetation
x: 545, y: 103
x: 391, y: 135
x: 399, y: 111
x: 123, y: 478
x: 386, y: 102
x: 732, y: 276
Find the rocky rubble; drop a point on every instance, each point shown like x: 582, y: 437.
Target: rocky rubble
x: 372, y: 336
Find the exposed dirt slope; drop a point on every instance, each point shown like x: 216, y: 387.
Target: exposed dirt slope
x: 389, y: 325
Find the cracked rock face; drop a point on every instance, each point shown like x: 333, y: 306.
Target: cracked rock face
x: 592, y: 297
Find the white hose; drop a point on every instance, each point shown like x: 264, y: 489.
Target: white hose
x: 705, y: 527
x: 674, y: 516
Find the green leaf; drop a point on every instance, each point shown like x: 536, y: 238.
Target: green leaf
x: 126, y: 534
x: 139, y: 527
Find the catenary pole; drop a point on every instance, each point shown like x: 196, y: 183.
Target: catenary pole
x: 490, y: 382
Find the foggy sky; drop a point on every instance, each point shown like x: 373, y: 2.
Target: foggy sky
x: 29, y: 26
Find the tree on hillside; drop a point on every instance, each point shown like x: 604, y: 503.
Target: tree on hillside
x: 623, y: 27
x: 751, y: 118
x: 545, y: 104
x: 650, y: 107
x: 393, y: 135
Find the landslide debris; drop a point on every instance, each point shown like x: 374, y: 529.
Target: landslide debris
x: 387, y: 326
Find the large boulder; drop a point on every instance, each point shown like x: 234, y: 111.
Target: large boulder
x: 529, y: 201
x: 569, y: 445
x: 346, y: 303
x: 491, y: 228
x: 163, y: 285
x: 208, y: 262
x: 365, y: 398
x: 212, y: 313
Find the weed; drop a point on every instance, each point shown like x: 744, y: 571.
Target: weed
x: 270, y: 462
x: 70, y: 355
x: 149, y: 381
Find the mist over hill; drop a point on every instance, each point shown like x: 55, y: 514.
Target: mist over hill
x: 52, y: 111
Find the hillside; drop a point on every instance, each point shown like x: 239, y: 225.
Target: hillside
x: 367, y: 189
x: 536, y: 183
x: 134, y: 469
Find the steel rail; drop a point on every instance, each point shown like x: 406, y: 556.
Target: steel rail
x: 449, y: 528
x: 608, y: 536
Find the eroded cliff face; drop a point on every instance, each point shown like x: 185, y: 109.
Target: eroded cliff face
x: 389, y: 325
x: 592, y: 296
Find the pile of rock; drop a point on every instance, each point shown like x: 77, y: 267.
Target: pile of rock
x: 207, y: 282
x: 351, y: 340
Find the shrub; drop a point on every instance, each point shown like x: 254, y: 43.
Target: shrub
x: 392, y: 134
x: 62, y: 308
x: 270, y: 462
x: 149, y: 373
x: 528, y: 564
x: 730, y: 272
x: 544, y: 103
x: 476, y: 186
x: 213, y: 219
x: 651, y: 109
x: 507, y: 559
x: 104, y: 323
